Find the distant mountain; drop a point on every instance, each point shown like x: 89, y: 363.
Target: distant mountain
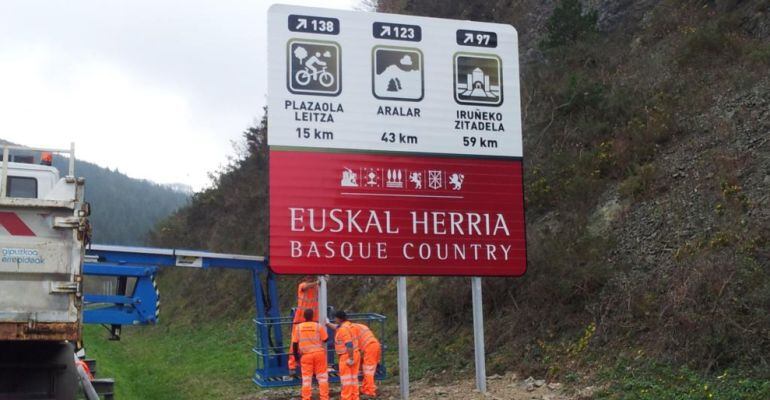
x: 180, y: 187
x: 124, y: 209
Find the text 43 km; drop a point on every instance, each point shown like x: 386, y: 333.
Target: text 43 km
x: 398, y: 137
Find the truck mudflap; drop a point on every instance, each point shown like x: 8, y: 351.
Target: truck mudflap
x: 39, y: 331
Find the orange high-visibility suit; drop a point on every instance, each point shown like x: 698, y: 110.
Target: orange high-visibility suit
x: 372, y: 350
x: 310, y: 337
x: 307, y: 297
x: 345, y: 339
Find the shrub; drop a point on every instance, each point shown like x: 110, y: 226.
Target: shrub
x: 639, y: 183
x: 569, y: 23
x: 706, y: 43
x: 582, y: 94
x: 759, y: 54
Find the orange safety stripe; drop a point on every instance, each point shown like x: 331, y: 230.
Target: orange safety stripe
x: 309, y: 337
x: 344, y: 336
x: 307, y: 298
x: 347, y: 380
x: 364, y: 336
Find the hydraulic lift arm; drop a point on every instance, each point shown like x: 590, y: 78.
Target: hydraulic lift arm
x: 136, y: 300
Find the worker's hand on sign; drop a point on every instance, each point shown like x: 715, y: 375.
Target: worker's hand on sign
x: 349, y: 362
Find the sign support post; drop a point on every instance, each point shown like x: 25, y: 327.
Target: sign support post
x: 322, y: 300
x: 478, y: 335
x: 403, y: 339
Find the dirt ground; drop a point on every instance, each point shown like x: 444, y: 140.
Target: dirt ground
x: 506, y: 387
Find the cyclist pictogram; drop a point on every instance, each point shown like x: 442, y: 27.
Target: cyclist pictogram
x: 313, y: 67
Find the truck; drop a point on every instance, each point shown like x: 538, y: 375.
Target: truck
x: 43, y: 233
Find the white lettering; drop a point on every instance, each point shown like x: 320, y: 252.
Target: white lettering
x: 388, y: 228
x: 500, y: 224
x: 313, y: 251
x: 329, y: 249
x: 473, y: 223
x: 294, y: 219
x: 382, y: 251
x: 373, y: 222
x: 506, y: 250
x: 333, y: 215
x: 346, y: 251
x: 424, y: 251
x: 296, y: 250
x: 406, y: 255
x: 311, y: 215
x: 491, y: 252
x: 438, y: 223
x: 416, y: 221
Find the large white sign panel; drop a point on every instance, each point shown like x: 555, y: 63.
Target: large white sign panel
x: 383, y: 82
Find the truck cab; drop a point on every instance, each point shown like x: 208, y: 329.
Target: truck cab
x: 30, y: 181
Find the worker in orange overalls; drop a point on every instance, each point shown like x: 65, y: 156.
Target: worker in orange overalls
x: 307, y: 297
x: 370, y: 346
x: 346, y: 346
x: 309, y: 346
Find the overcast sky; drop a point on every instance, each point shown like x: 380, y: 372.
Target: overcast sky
x: 159, y: 89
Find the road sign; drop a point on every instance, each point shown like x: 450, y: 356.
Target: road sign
x: 366, y: 74
x: 395, y: 145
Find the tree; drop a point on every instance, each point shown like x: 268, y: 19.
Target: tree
x: 393, y: 85
x: 569, y: 23
x: 300, y: 53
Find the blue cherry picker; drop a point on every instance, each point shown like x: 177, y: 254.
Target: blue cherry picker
x: 135, y: 300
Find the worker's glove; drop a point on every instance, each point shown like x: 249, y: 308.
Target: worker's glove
x: 349, y: 362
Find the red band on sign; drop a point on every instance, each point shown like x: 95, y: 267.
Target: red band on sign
x: 14, y: 225
x: 378, y: 214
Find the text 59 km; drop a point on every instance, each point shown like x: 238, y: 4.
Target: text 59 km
x: 473, y: 141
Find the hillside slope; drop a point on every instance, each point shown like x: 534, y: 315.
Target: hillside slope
x: 646, y: 130
x: 124, y: 209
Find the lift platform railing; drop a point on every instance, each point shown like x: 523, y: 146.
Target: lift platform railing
x: 272, y: 360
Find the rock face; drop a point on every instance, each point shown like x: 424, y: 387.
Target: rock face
x: 653, y: 230
x: 614, y: 14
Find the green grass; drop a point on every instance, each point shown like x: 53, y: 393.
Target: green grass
x: 206, y: 361
x: 646, y: 380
